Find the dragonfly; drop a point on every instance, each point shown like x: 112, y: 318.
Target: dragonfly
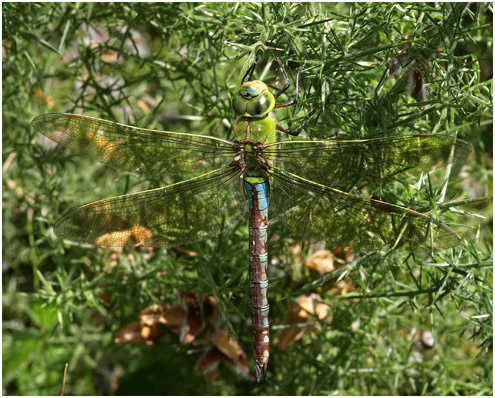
x: 300, y: 180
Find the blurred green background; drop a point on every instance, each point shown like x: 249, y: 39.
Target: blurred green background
x: 395, y: 324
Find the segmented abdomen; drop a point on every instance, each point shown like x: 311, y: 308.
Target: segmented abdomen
x: 257, y: 194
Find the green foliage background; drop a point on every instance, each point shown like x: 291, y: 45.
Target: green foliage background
x: 174, y: 67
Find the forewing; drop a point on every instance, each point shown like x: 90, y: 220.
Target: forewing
x: 189, y: 211
x: 349, y: 163
x: 341, y: 219
x: 135, y: 149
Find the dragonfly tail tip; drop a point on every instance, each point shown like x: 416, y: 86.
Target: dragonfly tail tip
x: 259, y: 370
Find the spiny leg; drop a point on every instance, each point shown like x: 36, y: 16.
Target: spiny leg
x: 250, y: 71
x: 298, y: 131
x: 287, y: 81
x: 294, y: 101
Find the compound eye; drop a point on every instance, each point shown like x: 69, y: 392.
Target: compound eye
x: 239, y: 104
x: 259, y: 106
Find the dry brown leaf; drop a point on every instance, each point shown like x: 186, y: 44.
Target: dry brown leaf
x: 174, y: 317
x: 325, y: 261
x: 152, y: 315
x: 8, y: 161
x: 45, y: 97
x: 223, y: 350
x: 193, y: 325
x: 151, y: 334
x: 416, y: 87
x: 110, y: 56
x: 210, y: 364
x: 300, y: 313
x: 130, y: 333
x: 185, y: 251
x: 344, y: 253
x: 289, y: 336
x: 294, y: 249
x: 183, y: 319
x: 321, y: 261
x: 228, y: 346
x: 145, y: 106
x: 321, y: 310
x: 344, y: 286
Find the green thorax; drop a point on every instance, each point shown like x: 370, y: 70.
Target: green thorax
x: 252, y: 135
x: 258, y: 129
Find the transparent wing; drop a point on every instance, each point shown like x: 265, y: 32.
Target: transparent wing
x: 189, y: 211
x: 135, y: 149
x: 349, y: 163
x: 341, y: 219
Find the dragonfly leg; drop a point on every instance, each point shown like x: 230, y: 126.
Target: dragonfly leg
x: 250, y: 71
x: 298, y: 131
x: 287, y: 81
x: 287, y: 85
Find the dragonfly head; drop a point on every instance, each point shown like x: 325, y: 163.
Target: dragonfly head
x: 253, y: 100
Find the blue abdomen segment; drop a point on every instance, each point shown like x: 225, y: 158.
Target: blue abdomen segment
x: 257, y: 195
